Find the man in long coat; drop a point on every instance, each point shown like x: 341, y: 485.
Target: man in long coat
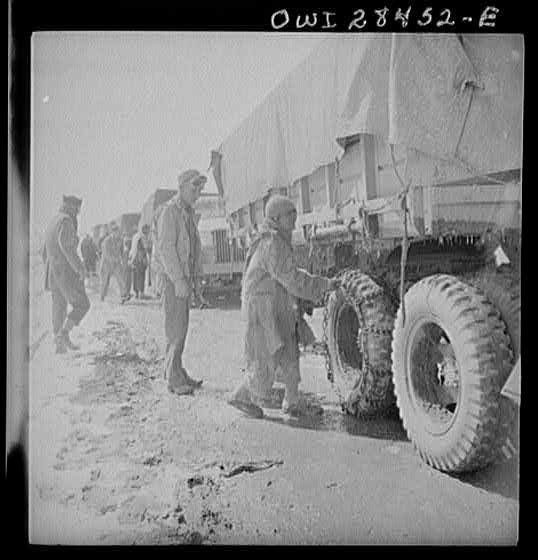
x: 272, y: 285
x: 64, y: 275
x: 88, y: 250
x: 179, y: 248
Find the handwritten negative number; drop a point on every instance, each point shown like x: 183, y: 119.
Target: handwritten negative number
x: 447, y: 21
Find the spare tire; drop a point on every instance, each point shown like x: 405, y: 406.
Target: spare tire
x: 358, y: 324
x: 450, y: 359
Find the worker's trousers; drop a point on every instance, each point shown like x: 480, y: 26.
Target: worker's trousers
x: 176, y: 325
x: 139, y: 275
x: 62, y: 296
x: 109, y: 269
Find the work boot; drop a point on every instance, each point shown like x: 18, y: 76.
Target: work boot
x: 63, y: 336
x: 178, y: 385
x: 242, y: 400
x: 272, y: 400
x: 301, y: 407
x: 181, y: 389
x: 190, y: 381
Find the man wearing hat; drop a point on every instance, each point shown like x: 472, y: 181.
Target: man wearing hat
x: 65, y: 272
x: 179, y: 247
x: 272, y: 286
x: 112, y: 264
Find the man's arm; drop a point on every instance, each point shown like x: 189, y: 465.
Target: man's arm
x: 167, y: 240
x: 281, y: 265
x: 67, y: 240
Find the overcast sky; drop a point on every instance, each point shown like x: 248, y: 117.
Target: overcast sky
x: 117, y: 115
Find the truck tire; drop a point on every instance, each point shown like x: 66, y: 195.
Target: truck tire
x: 450, y: 359
x: 358, y: 324
x: 507, y: 300
x: 504, y: 293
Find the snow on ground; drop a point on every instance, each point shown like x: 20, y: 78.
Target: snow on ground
x: 116, y: 459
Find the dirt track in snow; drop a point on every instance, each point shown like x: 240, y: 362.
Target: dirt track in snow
x: 116, y: 459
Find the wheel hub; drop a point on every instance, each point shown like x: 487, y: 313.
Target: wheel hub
x: 434, y: 376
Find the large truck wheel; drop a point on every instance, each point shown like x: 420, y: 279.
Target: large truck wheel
x: 450, y: 360
x: 358, y: 324
x: 504, y: 293
x: 507, y: 299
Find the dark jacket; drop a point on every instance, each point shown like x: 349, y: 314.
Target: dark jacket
x: 63, y: 265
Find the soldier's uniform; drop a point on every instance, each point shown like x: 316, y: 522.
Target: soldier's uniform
x: 64, y: 276
x: 272, y: 283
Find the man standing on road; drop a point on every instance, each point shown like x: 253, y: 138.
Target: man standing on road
x: 272, y: 284
x: 64, y: 275
x: 112, y: 264
x: 138, y: 260
x: 179, y: 247
x: 88, y: 250
x: 127, y: 270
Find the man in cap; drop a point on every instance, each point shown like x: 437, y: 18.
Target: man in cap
x: 64, y: 276
x: 179, y: 248
x: 272, y: 285
x: 88, y: 250
x: 112, y: 263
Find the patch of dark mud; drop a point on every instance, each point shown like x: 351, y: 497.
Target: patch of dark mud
x: 112, y: 383
x: 196, y: 481
x: 251, y: 467
x: 119, y: 346
x: 168, y: 536
x: 214, y: 521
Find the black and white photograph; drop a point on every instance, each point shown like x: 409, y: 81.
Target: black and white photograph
x: 272, y: 282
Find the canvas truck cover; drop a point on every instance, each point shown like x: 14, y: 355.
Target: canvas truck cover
x: 129, y: 223
x: 455, y: 100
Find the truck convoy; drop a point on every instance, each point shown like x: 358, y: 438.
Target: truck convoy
x: 403, y: 154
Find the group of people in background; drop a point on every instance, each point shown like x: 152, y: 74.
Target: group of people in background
x: 66, y: 273
x: 120, y: 256
x: 272, y: 288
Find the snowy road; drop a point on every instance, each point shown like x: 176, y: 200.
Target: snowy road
x: 116, y: 459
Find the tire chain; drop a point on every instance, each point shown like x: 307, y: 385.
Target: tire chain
x: 361, y: 342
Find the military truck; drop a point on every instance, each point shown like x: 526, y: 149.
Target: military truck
x: 128, y: 223
x: 403, y: 154
x: 223, y: 257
